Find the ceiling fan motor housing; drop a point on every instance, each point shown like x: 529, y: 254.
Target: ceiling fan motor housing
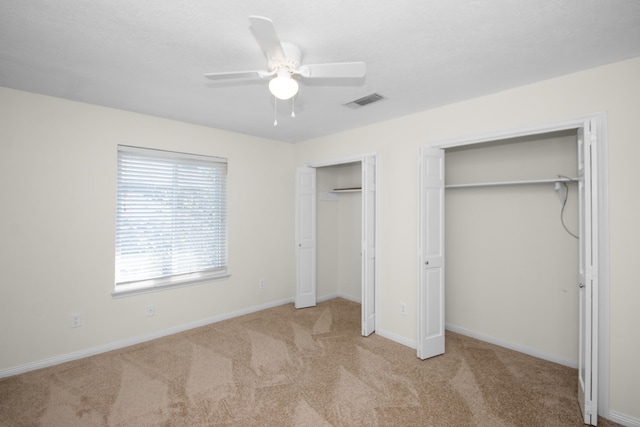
x: 292, y: 57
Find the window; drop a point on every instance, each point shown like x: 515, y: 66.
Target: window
x: 171, y: 223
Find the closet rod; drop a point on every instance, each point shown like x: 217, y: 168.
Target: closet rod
x: 504, y: 183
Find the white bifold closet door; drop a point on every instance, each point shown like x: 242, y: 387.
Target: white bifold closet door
x: 587, y: 274
x: 305, y: 239
x: 305, y: 236
x: 368, y: 245
x: 431, y: 254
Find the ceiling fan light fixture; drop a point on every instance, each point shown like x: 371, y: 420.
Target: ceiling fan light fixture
x: 283, y: 86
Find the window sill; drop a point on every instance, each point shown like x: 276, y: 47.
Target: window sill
x: 156, y: 285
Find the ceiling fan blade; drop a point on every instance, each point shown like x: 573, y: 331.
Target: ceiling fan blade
x: 259, y: 74
x: 334, y: 70
x: 265, y: 33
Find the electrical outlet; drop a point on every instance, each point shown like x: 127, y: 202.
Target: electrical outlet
x: 403, y: 309
x: 76, y: 320
x: 261, y: 283
x: 151, y: 310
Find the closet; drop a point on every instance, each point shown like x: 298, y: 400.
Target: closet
x: 511, y: 267
x: 514, y: 273
x: 346, y: 236
x: 339, y: 231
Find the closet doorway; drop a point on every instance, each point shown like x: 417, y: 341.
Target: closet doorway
x: 589, y: 184
x: 344, y: 192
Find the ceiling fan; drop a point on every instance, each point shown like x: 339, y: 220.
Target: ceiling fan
x: 283, y: 63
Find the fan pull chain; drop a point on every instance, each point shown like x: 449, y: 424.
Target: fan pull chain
x: 275, y: 111
x: 293, y: 102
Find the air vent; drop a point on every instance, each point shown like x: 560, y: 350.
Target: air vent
x: 365, y: 100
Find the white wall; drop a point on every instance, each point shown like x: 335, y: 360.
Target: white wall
x: 511, y: 268
x: 339, y: 225
x: 57, y: 222
x: 614, y: 89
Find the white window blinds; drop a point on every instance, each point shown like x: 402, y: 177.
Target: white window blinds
x: 171, y: 223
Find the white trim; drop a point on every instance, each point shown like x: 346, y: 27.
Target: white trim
x: 92, y: 351
x: 328, y: 297
x: 341, y: 161
x: 166, y: 284
x: 377, y: 231
x: 381, y: 332
x: 623, y: 419
x: 349, y: 297
x: 517, y: 132
x: 397, y: 338
x: 513, y: 346
x: 604, y: 325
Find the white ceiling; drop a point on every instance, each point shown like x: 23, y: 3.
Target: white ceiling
x: 149, y: 56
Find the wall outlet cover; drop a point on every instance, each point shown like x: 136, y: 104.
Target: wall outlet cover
x: 76, y: 320
x: 403, y: 309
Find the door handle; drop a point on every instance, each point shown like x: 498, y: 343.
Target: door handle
x: 426, y: 263
x: 581, y: 285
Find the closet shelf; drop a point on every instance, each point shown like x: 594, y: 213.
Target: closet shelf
x: 506, y: 183
x: 346, y: 190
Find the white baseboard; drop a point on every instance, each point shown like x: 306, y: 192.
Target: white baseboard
x: 326, y: 297
x: 45, y: 363
x: 512, y: 346
x: 350, y: 298
x: 385, y: 334
x: 623, y: 419
x: 397, y: 338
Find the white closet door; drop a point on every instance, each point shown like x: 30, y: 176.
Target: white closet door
x: 305, y: 237
x: 588, y: 277
x: 368, y: 245
x: 431, y: 254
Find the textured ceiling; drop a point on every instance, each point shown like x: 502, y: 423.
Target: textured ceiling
x: 149, y: 56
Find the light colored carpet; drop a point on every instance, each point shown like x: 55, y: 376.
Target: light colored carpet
x: 287, y: 367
